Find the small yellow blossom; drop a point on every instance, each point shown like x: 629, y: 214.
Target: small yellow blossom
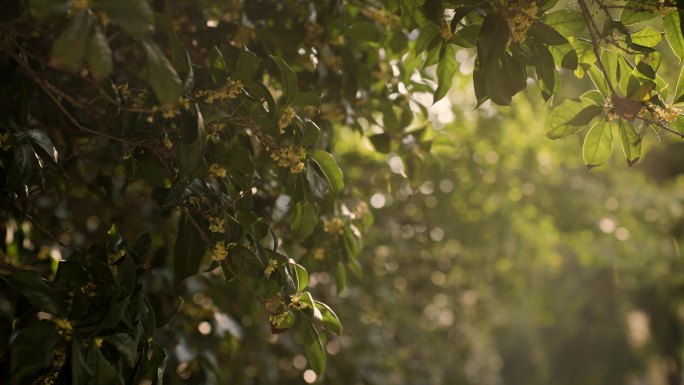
x: 286, y: 118
x: 272, y: 265
x: 220, y: 252
x: 334, y: 226
x: 228, y: 91
x: 124, y: 91
x: 98, y: 341
x: 278, y: 319
x: 289, y: 157
x: 215, y: 128
x: 138, y: 100
x: 65, y: 328
x: 217, y: 170
x: 381, y: 16
x: 521, y: 16
x: 216, y: 225
x: 360, y: 209
x: 296, y: 304
x: 195, y: 201
x: 4, y: 141
x: 168, y: 144
x: 318, y: 253
x: 89, y: 289
x: 170, y: 112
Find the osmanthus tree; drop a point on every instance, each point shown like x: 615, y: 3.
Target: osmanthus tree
x: 165, y: 150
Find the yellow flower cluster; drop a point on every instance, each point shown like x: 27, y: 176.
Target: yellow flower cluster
x: 65, y: 328
x: 289, y: 157
x: 664, y: 115
x: 360, y: 209
x: 295, y: 304
x: 278, y: 319
x: 220, y: 252
x: 89, y: 289
x: 272, y: 265
x: 318, y: 253
x: 381, y: 16
x: 216, y: 225
x: 521, y: 15
x: 334, y: 226
x: 168, y: 144
x: 217, y: 170
x: 286, y: 118
x: 230, y: 90
x: 137, y: 100
x: 4, y: 140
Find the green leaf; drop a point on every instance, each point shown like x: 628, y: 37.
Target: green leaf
x: 426, y: 34
x: 673, y: 33
x: 446, y: 69
x: 244, y: 261
x: 314, y: 349
x: 631, y: 141
x: 679, y: 91
x: 103, y: 371
x: 135, y: 17
x: 302, y: 277
x: 306, y: 98
x: 630, y: 15
x: 49, y: 9
x: 158, y: 364
x: 310, y: 133
x: 41, y: 294
x: 99, y: 55
x: 32, y: 349
x: 567, y: 22
x: 80, y: 371
x: 188, y: 250
x: 648, y: 37
x: 330, y: 169
x: 217, y: 66
x: 493, y: 38
x: 329, y: 319
x: 125, y: 345
x: 303, y: 219
x: 21, y: 169
x: 42, y: 144
x: 70, y: 47
x: 193, y: 143
x: 381, y: 142
x: 289, y: 80
x: 247, y: 65
x: 340, y: 277
x: 466, y: 36
x: 548, y: 35
x: 569, y: 117
x: 598, y: 144
x: 161, y: 76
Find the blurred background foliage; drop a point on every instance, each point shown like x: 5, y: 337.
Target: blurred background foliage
x: 494, y: 258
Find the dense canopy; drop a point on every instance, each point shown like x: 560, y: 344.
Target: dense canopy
x: 358, y: 192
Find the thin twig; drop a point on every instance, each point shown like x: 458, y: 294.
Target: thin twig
x: 595, y: 42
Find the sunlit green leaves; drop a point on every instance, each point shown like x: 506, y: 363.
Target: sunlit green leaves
x: 329, y: 319
x: 648, y: 37
x: 567, y: 22
x: 330, y: 169
x: 598, y: 144
x: 569, y: 117
x: 630, y: 140
x: 673, y: 33
x: 303, y: 219
x: 446, y: 69
x: 289, y: 80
